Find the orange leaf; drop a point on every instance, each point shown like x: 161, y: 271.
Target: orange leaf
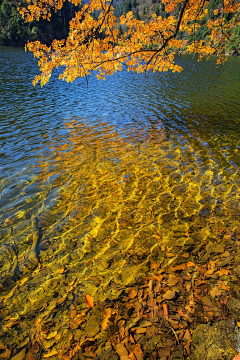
x: 132, y: 356
x: 74, y: 350
x: 89, y: 300
x: 107, y: 313
x: 172, y: 280
x: 222, y: 272
x: 224, y: 287
x: 137, y: 349
x: 187, y: 336
x: 131, y: 339
x: 215, y: 292
x: 224, y: 299
x: 180, y: 267
x: 190, y: 263
x: 65, y: 357
x: 29, y: 356
x: 132, y: 293
x: 165, y: 310
x: 73, y: 314
x: 180, y: 312
x: 158, y: 277
x: 187, y: 347
x: 106, y: 323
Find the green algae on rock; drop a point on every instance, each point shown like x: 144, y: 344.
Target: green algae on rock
x: 215, y: 342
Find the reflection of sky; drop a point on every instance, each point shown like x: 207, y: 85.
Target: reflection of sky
x: 195, y: 104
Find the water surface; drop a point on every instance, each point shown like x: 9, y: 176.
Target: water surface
x: 97, y: 182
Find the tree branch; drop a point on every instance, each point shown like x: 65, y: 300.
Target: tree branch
x: 166, y: 41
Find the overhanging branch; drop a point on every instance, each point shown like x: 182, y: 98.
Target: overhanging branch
x: 166, y: 41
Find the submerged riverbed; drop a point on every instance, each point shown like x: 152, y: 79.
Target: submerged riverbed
x: 99, y: 184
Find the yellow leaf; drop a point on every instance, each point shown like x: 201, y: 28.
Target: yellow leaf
x: 60, y: 271
x: 20, y: 355
x: 57, y: 337
x: 61, y: 300
x: 23, y: 281
x: 50, y: 335
x: 51, y: 353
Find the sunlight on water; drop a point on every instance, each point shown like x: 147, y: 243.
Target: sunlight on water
x: 105, y: 205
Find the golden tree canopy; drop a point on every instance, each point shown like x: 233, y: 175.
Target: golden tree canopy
x: 94, y: 43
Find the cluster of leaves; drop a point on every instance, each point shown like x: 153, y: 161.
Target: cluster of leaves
x: 13, y: 30
x: 93, y: 43
x: 154, y: 318
x: 144, y: 11
x: 214, y: 15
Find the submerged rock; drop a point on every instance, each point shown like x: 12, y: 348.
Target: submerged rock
x: 215, y: 342
x: 233, y: 306
x: 92, y: 327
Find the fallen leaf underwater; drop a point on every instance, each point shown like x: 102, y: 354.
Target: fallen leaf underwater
x: 121, y: 260
x: 89, y: 300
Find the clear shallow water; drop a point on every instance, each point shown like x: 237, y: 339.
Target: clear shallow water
x: 94, y: 183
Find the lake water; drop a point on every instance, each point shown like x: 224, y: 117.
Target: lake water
x: 95, y: 182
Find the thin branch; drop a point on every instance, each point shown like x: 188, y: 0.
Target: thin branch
x: 155, y: 52
x: 194, y: 28
x: 222, y: 31
x: 166, y: 41
x: 92, y: 33
x: 194, y: 31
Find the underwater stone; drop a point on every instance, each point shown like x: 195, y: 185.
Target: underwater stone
x: 43, y: 254
x: 102, y: 265
x: 92, y: 327
x: 181, y: 242
x: 204, y: 258
x: 214, y: 342
x: 128, y: 276
x: 225, y: 262
x: 188, y: 242
x: 233, y: 306
x: 215, y: 248
x: 236, y: 271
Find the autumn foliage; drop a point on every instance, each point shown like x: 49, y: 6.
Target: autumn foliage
x: 94, y: 42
